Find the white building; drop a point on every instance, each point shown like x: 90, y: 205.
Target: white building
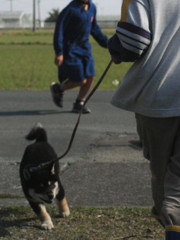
x: 108, y: 21
x: 104, y: 21
x: 15, y: 19
x: 18, y: 19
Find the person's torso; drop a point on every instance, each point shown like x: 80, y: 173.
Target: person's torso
x: 77, y: 29
x: 151, y: 87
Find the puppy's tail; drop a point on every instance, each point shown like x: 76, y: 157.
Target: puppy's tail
x: 37, y: 133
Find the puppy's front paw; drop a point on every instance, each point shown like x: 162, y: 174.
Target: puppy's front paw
x: 63, y: 207
x: 47, y: 225
x: 65, y: 213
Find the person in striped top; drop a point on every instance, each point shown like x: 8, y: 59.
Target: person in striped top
x: 148, y: 34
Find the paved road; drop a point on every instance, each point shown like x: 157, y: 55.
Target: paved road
x: 102, y: 167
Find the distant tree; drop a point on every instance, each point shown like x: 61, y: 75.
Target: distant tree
x: 53, y: 15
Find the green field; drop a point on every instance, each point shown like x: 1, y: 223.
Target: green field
x: 27, y: 60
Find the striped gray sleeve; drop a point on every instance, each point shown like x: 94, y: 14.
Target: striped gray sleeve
x: 133, y: 38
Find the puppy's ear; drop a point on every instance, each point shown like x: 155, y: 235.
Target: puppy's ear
x: 53, y: 169
x: 26, y: 174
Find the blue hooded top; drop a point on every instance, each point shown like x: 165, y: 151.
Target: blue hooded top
x: 73, y: 28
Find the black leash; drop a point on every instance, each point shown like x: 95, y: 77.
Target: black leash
x: 43, y: 165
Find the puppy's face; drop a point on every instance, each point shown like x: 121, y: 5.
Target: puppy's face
x: 45, y: 187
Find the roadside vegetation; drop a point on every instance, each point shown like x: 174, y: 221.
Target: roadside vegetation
x: 27, y: 61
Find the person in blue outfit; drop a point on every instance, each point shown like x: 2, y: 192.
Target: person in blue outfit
x: 73, y: 55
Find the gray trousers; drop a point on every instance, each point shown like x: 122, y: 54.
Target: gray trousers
x: 161, y: 145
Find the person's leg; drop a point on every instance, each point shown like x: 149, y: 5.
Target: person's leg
x: 58, y: 90
x: 80, y: 75
x: 70, y: 85
x: 69, y: 77
x: 85, y: 86
x: 88, y: 72
x: 137, y: 143
x: 158, y: 136
x: 170, y: 212
x: 78, y: 106
x: 57, y: 94
x: 84, y: 89
x: 161, y: 144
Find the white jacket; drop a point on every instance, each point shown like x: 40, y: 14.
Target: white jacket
x: 152, y: 85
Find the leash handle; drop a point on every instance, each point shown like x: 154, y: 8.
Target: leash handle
x: 41, y: 166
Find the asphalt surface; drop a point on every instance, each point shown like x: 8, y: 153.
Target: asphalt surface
x: 103, y: 167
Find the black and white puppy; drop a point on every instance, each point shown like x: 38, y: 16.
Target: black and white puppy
x: 43, y: 185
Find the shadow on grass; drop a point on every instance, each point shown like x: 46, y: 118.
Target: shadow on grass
x: 31, y: 113
x: 13, y: 217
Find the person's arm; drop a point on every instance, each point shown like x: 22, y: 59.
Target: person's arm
x: 133, y: 33
x: 59, y: 31
x: 97, y: 34
x: 59, y: 59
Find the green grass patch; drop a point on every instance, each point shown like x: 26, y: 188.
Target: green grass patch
x: 85, y: 223
x: 27, y: 61
x: 26, y: 37
x: 11, y: 196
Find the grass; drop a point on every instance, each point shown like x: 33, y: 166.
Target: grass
x: 85, y: 223
x: 27, y: 60
x: 10, y: 196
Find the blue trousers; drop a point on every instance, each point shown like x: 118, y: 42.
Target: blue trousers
x: 172, y: 232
